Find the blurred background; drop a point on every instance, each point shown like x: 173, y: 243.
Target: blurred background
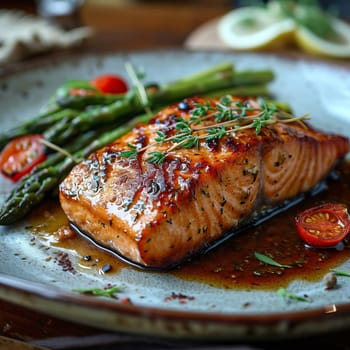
x: 134, y: 24
x: 131, y: 23
x: 110, y: 25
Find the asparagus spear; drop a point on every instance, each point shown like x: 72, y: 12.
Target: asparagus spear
x: 60, y: 132
x: 83, y: 141
x: 219, y: 69
x: 252, y: 77
x: 62, y: 106
x: 249, y: 90
x: 37, y: 124
x: 55, y: 121
x: 34, y: 187
x: 52, y: 114
x: 81, y: 102
x: 65, y: 90
x: 131, y: 104
x: 228, y: 79
x: 37, y: 185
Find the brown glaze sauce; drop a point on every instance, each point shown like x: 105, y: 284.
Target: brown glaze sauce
x: 231, y: 265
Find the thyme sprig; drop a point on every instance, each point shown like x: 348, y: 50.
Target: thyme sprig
x: 269, y: 261
x: 140, y: 88
x: 109, y: 292
x: 212, y: 122
x: 59, y: 149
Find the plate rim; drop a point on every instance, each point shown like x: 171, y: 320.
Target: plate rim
x: 262, y: 326
x: 64, y: 57
x: 41, y: 291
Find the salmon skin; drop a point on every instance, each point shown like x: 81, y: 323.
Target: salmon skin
x: 157, y: 214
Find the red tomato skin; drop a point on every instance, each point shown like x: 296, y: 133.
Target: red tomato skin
x: 14, y: 162
x: 339, y: 211
x: 110, y: 84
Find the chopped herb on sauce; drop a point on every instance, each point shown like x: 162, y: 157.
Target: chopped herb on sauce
x: 267, y: 260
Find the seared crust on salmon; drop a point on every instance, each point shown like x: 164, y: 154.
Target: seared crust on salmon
x: 157, y: 215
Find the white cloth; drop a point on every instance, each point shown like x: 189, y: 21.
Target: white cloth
x: 22, y: 35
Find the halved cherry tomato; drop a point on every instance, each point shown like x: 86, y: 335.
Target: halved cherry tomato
x: 109, y: 83
x: 21, y: 155
x: 323, y: 226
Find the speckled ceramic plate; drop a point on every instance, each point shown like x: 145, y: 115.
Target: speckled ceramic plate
x: 31, y: 274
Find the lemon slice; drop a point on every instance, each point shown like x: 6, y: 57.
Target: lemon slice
x: 250, y: 27
x: 337, y: 45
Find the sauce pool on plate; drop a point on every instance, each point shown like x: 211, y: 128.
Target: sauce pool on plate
x: 231, y: 265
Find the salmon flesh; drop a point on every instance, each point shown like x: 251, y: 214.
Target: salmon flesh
x: 159, y: 213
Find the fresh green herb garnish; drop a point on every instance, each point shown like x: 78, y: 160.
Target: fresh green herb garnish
x: 291, y: 296
x: 101, y: 292
x: 161, y: 137
x: 267, y: 260
x: 131, y: 153
x: 341, y: 273
x: 212, y: 122
x: 140, y: 88
x: 156, y: 157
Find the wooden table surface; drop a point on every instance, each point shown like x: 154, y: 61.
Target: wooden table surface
x: 126, y: 26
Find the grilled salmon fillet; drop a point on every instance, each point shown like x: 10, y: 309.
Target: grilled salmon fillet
x: 158, y: 213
